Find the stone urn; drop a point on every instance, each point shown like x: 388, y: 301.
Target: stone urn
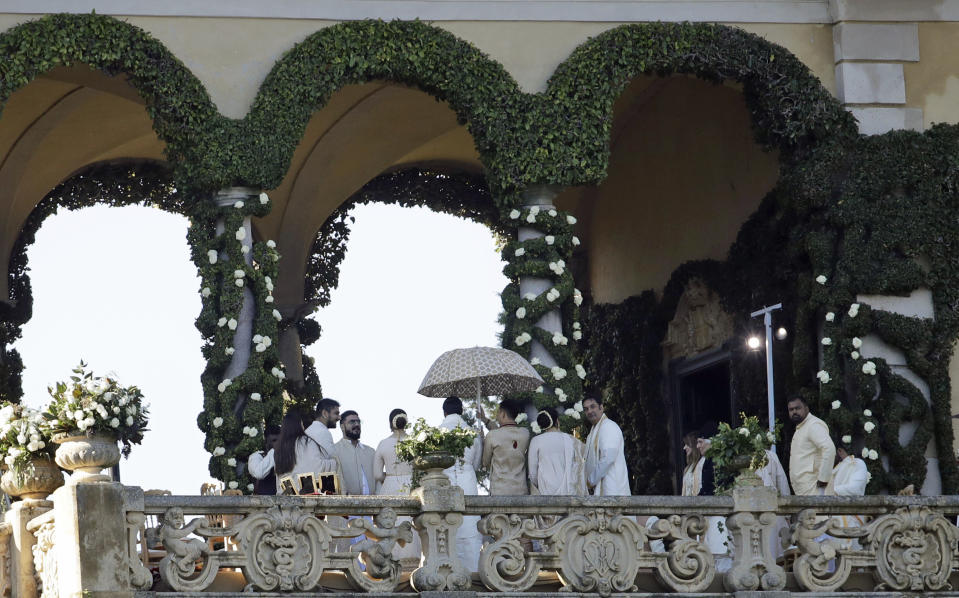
x: 86, y: 456
x: 746, y: 476
x: 37, y: 480
x: 433, y: 465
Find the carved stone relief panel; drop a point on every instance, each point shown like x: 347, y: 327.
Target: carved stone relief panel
x: 699, y: 323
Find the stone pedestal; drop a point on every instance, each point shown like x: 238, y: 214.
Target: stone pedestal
x: 440, y: 519
x: 22, y: 581
x: 90, y: 541
x: 752, y: 528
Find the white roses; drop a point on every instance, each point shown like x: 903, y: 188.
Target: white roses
x: 821, y: 279
x: 519, y: 252
x: 222, y: 386
x: 522, y: 339
x: 570, y: 219
x: 240, y: 234
x: 830, y: 316
x: 558, y: 372
x: 217, y: 422
x: 856, y: 342
x: 264, y: 198
x: 853, y: 310
x: 255, y: 397
x: 869, y: 368
x: 836, y: 404
x: 520, y: 418
x: 211, y: 255
x: 847, y: 439
x: 521, y: 313
x: 514, y: 214
x: 826, y: 341
x: 559, y: 339
x: 550, y: 239
x: 869, y: 427
x: 580, y: 371
x: 823, y: 376
x: 743, y: 431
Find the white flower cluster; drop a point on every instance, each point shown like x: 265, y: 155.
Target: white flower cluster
x: 535, y: 428
x: 580, y: 371
x: 743, y: 431
x: 869, y: 427
x: 514, y: 214
x: 278, y: 373
x: 520, y: 252
x: 854, y: 355
x: 552, y: 294
x: 211, y: 255
x: 823, y: 376
x: 533, y: 212
x: 256, y: 397
x: 853, y: 310
x: 836, y: 404
x: 770, y: 436
x: 869, y: 368
x: 534, y: 361
x: 205, y: 292
x: 521, y: 312
x: 575, y: 411
x: 222, y: 386
x: 821, y: 279
x: 522, y: 339
x: 239, y: 275
x: 520, y: 418
x: 869, y: 454
x: 559, y: 339
x: 550, y: 239
x: 577, y: 297
x: 240, y: 234
x: 847, y: 439
x: 577, y: 333
x: 557, y: 372
x: 558, y: 267
x: 91, y: 402
x: 269, y: 288
x: 231, y: 324
x: 22, y: 432
x: 219, y: 451
x: 867, y: 412
x: 826, y: 341
x: 575, y: 241
x: 217, y: 422
x: 277, y: 315
x: 856, y: 342
x: 264, y: 198
x: 261, y: 342
x: 238, y: 205
x: 571, y: 220
x: 830, y: 316
x: 560, y: 395
x: 251, y: 431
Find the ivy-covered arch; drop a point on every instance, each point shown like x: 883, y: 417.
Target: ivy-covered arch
x: 478, y: 89
x: 789, y: 107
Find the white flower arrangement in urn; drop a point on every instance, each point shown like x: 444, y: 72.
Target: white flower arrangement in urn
x: 88, y: 415
x: 24, y: 441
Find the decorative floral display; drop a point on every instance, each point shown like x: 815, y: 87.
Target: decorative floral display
x: 424, y: 439
x: 749, y: 440
x: 92, y: 405
x: 24, y: 436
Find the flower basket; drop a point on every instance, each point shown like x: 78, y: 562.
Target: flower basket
x: 430, y: 449
x: 27, y: 453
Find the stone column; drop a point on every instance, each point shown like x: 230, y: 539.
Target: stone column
x: 440, y: 518
x: 243, y: 335
x: 552, y: 321
x: 22, y: 581
x: 753, y: 527
x: 92, y: 556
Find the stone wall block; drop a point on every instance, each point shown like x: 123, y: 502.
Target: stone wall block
x: 23, y: 583
x: 873, y: 41
x: 870, y: 83
x: 876, y: 121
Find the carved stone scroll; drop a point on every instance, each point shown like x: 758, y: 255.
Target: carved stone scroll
x: 140, y: 576
x: 179, y: 568
x: 597, y: 551
x: 752, y: 529
x: 689, y: 566
x: 505, y: 565
x: 45, y: 560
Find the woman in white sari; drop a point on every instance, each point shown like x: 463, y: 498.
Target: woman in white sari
x: 557, y: 461
x: 394, y: 477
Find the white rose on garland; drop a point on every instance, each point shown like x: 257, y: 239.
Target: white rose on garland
x: 576, y: 241
x: 222, y: 386
x: 238, y: 205
x: 869, y: 368
x: 271, y: 244
x: 826, y: 341
x: 520, y: 418
x: 244, y: 249
x: 521, y: 313
x: 231, y: 324
x: 221, y: 322
x: 205, y: 292
x: 239, y: 274
x: 552, y: 213
x: 534, y: 210
x: 578, y: 407
x: 255, y: 397
x: 856, y: 342
x: 559, y: 339
x: 558, y: 372
x: 520, y: 252
x: 534, y: 361
x: 264, y: 198
x: 577, y: 335
x: 218, y: 451
x: 823, y: 376
x: 260, y: 347
x: 847, y: 439
x: 250, y: 487
x: 514, y: 214
x: 865, y: 452
x: 836, y: 404
x: 239, y: 282
x: 830, y: 316
x: 240, y: 234
x: 570, y: 412
x: 535, y: 428
x: 577, y: 297
x: 854, y: 354
x: 550, y: 239
x: 217, y: 421
x: 277, y: 315
x: 867, y: 412
x: 853, y: 310
x: 873, y: 454
x: 531, y: 217
x: 211, y: 255
x: 530, y: 296
x: 231, y: 462
x: 570, y: 219
x: 580, y: 371
x: 821, y: 279
x: 233, y: 485
x: 229, y: 350
x: 869, y: 427
x: 269, y: 298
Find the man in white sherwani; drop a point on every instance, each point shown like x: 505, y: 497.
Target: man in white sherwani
x: 606, y: 473
x: 812, y: 452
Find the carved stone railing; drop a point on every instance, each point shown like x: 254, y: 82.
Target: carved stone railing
x: 101, y: 540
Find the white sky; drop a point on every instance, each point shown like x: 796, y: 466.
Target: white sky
x: 115, y: 287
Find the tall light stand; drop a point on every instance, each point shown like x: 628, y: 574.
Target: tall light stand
x: 766, y: 313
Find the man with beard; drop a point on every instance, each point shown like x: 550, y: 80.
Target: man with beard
x: 606, y: 473
x: 356, y: 458
x: 812, y: 451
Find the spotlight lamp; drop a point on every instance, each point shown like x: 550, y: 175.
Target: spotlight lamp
x: 753, y: 343
x: 781, y: 333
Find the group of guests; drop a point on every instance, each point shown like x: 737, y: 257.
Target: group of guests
x: 818, y: 465
x: 551, y: 463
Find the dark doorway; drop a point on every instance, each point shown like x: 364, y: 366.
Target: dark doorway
x: 701, y: 391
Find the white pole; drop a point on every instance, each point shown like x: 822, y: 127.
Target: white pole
x: 766, y: 312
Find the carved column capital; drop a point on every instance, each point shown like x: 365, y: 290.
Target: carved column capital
x: 752, y: 528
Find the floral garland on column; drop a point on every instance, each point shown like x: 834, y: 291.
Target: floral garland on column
x: 546, y: 257
x: 230, y: 437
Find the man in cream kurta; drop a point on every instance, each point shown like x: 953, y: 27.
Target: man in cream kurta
x: 606, y: 472
x: 504, y: 452
x: 812, y: 452
x: 356, y: 458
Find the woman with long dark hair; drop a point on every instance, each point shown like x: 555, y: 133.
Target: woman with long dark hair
x: 296, y: 452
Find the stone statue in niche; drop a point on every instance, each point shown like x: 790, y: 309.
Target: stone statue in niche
x: 699, y: 323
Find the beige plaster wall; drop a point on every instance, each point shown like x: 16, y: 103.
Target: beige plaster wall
x: 933, y: 83
x: 684, y: 175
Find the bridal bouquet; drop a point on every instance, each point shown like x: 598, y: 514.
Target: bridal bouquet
x: 23, y: 438
x: 95, y: 405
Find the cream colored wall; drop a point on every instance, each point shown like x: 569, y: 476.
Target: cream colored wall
x: 933, y: 83
x: 232, y: 56
x: 683, y: 177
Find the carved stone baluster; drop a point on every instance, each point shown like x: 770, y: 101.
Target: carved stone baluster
x: 45, y: 558
x: 441, y: 516
x: 6, y: 582
x: 20, y: 542
x: 140, y: 576
x: 914, y: 550
x: 689, y: 566
x: 752, y: 527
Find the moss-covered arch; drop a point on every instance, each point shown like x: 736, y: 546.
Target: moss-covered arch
x: 790, y: 109
x: 478, y: 89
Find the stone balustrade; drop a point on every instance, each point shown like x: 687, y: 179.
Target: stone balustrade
x: 104, y: 539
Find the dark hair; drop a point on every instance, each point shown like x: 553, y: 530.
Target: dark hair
x: 547, y: 417
x: 452, y: 405
x: 346, y: 414
x: 597, y: 398
x: 708, y: 429
x: 284, y: 456
x: 271, y: 429
x: 797, y: 398
x: 326, y: 405
x: 398, y: 419
x: 841, y: 445
x: 690, y: 440
x: 512, y: 407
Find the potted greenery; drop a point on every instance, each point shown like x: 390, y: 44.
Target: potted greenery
x: 27, y: 454
x: 87, y: 416
x: 431, y: 449
x: 741, y: 451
